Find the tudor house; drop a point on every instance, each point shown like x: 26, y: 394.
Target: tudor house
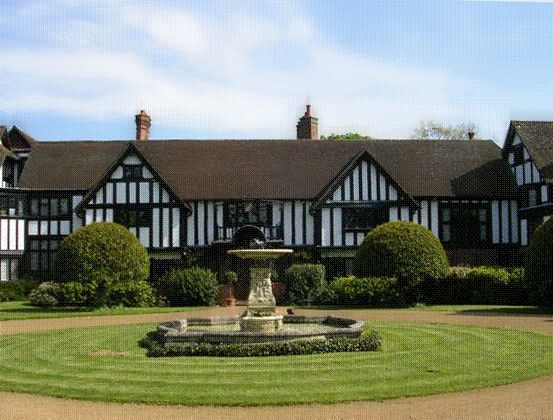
x: 318, y: 196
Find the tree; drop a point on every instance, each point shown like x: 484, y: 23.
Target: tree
x: 347, y: 136
x: 431, y: 130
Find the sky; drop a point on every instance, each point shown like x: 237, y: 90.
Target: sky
x: 73, y: 70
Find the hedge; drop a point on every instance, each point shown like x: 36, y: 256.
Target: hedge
x: 477, y: 285
x: 16, y: 289
x: 304, y: 282
x: 193, y: 286
x: 369, y: 341
x: 539, y: 264
x: 365, y: 291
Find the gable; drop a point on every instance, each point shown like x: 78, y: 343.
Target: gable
x: 131, y: 181
x: 520, y: 160
x: 364, y: 181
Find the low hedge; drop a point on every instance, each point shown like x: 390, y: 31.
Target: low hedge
x: 304, y: 282
x: 477, y: 285
x: 16, y: 289
x: 370, y: 341
x: 365, y: 291
x: 189, y: 287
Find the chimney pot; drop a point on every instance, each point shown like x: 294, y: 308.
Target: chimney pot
x: 143, y: 123
x: 308, y: 111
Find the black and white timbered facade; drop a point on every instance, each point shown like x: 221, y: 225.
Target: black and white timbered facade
x: 318, y: 196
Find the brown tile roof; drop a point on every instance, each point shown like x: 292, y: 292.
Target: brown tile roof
x: 17, y: 139
x: 537, y: 136
x: 234, y: 169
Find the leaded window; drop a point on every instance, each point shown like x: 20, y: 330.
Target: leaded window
x: 363, y: 218
x: 464, y: 224
x: 132, y: 218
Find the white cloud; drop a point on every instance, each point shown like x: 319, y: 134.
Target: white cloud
x: 229, y: 71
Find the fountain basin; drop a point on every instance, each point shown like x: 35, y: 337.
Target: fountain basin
x: 218, y: 330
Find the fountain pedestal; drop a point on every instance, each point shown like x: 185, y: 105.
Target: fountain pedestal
x: 261, y: 315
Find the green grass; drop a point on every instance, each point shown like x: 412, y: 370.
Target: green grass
x: 492, y: 309
x: 417, y: 359
x: 24, y: 310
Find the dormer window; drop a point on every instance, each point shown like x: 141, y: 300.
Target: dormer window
x: 132, y: 172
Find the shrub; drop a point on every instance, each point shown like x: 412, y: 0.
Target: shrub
x: 478, y: 285
x: 135, y: 294
x: 369, y: 341
x: 190, y: 287
x: 16, y: 289
x: 100, y: 256
x: 404, y: 250
x: 365, y: 291
x: 539, y: 264
x: 304, y: 282
x: 229, y: 277
x: 47, y: 294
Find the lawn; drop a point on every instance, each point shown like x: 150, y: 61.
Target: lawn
x: 23, y: 310
x: 105, y: 363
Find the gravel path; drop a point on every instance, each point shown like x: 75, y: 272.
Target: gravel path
x: 529, y: 399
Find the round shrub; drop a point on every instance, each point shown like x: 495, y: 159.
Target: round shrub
x: 404, y: 250
x: 190, y: 287
x: 304, y: 282
x: 539, y: 264
x: 101, y: 256
x: 47, y: 294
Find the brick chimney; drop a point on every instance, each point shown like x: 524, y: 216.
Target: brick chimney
x: 308, y: 126
x: 143, y: 123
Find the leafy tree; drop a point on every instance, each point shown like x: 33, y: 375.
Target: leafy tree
x: 431, y: 130
x: 347, y: 136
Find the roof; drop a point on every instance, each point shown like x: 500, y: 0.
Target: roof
x: 277, y: 169
x: 17, y: 139
x: 537, y: 137
x: 4, y: 152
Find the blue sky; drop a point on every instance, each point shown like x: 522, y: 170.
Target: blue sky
x: 82, y: 70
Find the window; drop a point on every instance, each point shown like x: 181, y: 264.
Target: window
x: 518, y: 152
x: 248, y: 213
x: 464, y: 224
x: 132, y: 172
x: 64, y: 206
x: 11, y: 206
x: 363, y: 218
x: 133, y: 217
x: 532, y: 198
x: 9, y: 269
x: 42, y: 253
x: 49, y: 207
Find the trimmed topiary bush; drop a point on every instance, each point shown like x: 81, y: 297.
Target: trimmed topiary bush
x: 101, y: 256
x: 190, y: 287
x: 404, y: 250
x: 365, y: 291
x: 46, y: 295
x: 539, y: 264
x: 304, y: 282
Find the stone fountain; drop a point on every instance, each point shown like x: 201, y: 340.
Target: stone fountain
x: 260, y: 323
x: 261, y: 314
